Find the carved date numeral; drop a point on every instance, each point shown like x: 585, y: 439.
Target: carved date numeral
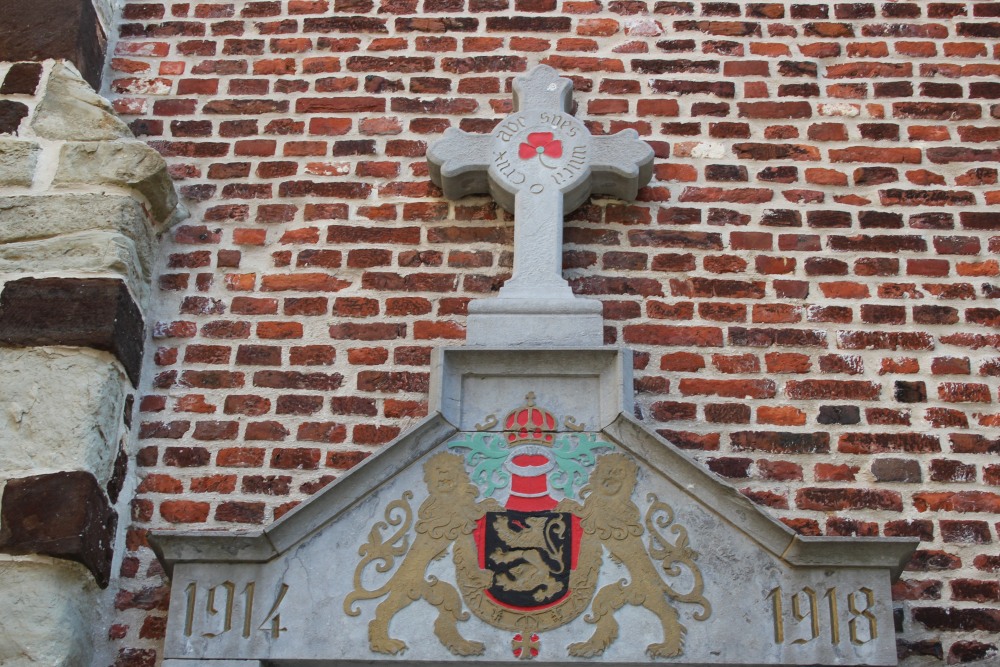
x: 220, y: 610
x: 866, y: 613
x: 805, y: 605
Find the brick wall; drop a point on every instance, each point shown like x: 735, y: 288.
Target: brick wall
x: 809, y: 282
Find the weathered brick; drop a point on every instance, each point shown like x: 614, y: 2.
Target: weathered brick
x: 781, y: 442
x: 840, y: 499
x: 868, y: 443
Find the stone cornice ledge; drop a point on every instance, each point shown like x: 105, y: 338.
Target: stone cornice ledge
x: 173, y: 547
x: 259, y: 546
x: 888, y: 552
x: 796, y: 550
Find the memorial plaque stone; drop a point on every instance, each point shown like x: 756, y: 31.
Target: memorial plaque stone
x: 530, y: 516
x: 529, y: 535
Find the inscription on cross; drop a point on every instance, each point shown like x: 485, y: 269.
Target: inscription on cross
x: 539, y: 163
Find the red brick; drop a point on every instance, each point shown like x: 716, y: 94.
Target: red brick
x: 830, y: 472
x: 781, y: 416
x: 240, y: 512
x: 295, y: 458
x: 214, y: 484
x: 689, y: 440
x: 766, y: 498
x: 367, y: 332
x: 156, y: 483
x: 673, y: 411
x: 682, y: 361
x: 247, y: 405
x: 776, y: 313
x: 184, y: 511
x: 733, y: 468
x: 727, y: 388
x: 368, y: 356
x: 964, y: 392
x: 656, y: 334
x: 787, y: 362
x: 826, y: 499
x: 304, y: 282
x: 329, y: 432
x: 745, y: 363
x: 833, y: 389
x: 372, y: 434
x: 727, y: 413
x: 870, y: 443
x: 394, y: 408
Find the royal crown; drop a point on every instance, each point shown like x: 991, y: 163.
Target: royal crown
x: 530, y: 423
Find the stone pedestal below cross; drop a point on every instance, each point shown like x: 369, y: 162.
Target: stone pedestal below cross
x: 539, y: 163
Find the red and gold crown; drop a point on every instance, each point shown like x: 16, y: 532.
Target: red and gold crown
x: 530, y: 423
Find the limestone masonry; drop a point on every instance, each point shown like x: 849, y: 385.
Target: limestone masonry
x: 225, y: 274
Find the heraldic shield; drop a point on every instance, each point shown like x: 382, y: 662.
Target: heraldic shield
x: 530, y: 555
x: 528, y: 514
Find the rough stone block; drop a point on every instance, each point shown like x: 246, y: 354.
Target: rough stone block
x: 48, y: 615
x: 29, y: 218
x: 59, y: 410
x: 127, y: 164
x: 64, y: 515
x: 87, y: 312
x: 87, y: 254
x: 70, y: 110
x: 17, y: 162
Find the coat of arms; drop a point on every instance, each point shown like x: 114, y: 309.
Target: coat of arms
x: 529, y: 514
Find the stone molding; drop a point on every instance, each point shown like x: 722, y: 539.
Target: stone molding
x: 177, y: 547
x: 464, y: 381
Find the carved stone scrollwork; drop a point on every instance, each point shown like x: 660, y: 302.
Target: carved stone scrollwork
x: 488, y: 423
x: 672, y: 556
x: 609, y: 514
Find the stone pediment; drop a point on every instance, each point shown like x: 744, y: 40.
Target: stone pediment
x: 530, y: 516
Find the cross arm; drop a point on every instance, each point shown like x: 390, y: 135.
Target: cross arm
x: 621, y: 164
x: 459, y: 163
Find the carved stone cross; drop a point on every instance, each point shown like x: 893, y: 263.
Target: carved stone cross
x: 539, y: 163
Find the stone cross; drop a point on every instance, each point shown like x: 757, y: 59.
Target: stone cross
x: 539, y: 163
